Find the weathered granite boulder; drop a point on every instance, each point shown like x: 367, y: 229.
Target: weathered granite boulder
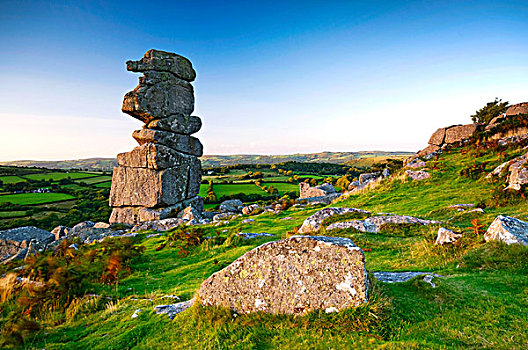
x: 417, y: 175
x: 150, y: 188
x: 101, y: 225
x: 508, y: 230
x: 162, y: 61
x: 179, y: 124
x: 326, y: 200
x: 446, y: 236
x: 306, y: 191
x: 373, y: 224
x: 517, y: 169
x: 520, y: 108
x: 159, y: 95
x: 82, y: 226
x: 292, y: 276
x: 157, y: 156
x: 159, y: 225
x: 416, y: 163
x: 518, y: 172
x: 459, y: 133
x: 181, y: 143
x: 190, y: 213
x: 231, y: 206
x: 60, y: 231
x: 437, y: 138
x: 313, y: 222
x: 364, y: 178
x: 16, y: 239
x: 135, y: 215
x: 430, y: 150
x: 250, y: 209
x: 385, y: 173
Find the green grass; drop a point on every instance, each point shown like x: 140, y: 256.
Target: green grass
x: 228, y: 189
x: 95, y: 179
x: 56, y: 176
x: 283, y: 187
x: 203, y: 190
x: 11, y: 214
x: 11, y: 179
x: 34, y: 198
x: 107, y: 184
x: 480, y: 302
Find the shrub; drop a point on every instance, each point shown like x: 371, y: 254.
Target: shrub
x: 489, y: 111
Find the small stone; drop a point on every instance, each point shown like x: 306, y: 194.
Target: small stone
x: 136, y: 313
x: 101, y: 225
x: 446, y: 236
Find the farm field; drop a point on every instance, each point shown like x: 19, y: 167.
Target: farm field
x: 56, y: 176
x: 34, y: 198
x: 107, y: 184
x: 11, y: 214
x: 284, y: 187
x: 95, y: 179
x: 228, y: 189
x: 11, y: 179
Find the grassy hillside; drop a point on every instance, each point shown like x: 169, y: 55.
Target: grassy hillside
x: 480, y: 302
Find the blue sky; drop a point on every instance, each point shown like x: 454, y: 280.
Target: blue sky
x: 273, y: 77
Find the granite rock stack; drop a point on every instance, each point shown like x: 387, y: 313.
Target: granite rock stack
x: 161, y: 176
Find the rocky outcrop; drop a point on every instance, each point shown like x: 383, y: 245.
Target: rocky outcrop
x: 446, y: 236
x: 446, y: 136
x: 520, y: 108
x: 313, y: 222
x: 459, y: 133
x: 374, y: 224
x: 161, y: 176
x: 16, y: 239
x: 517, y: 169
x: 508, y: 230
x: 306, y: 191
x: 292, y: 276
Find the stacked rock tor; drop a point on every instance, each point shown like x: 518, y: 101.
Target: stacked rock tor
x: 162, y: 175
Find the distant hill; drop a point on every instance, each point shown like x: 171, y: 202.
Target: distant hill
x: 85, y: 164
x: 349, y: 158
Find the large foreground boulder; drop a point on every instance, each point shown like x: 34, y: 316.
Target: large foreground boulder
x: 508, y: 230
x: 291, y: 276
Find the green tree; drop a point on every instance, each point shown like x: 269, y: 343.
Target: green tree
x: 490, y: 111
